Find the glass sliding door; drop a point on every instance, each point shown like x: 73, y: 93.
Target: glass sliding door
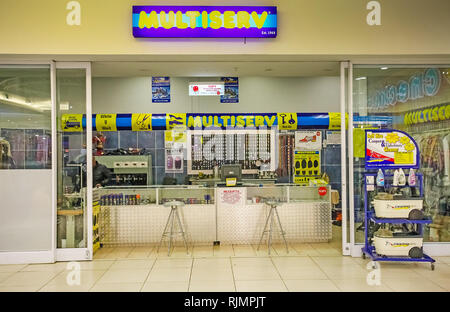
x: 74, y: 201
x: 26, y: 156
x: 414, y: 99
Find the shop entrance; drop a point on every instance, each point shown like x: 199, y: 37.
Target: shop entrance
x: 275, y: 129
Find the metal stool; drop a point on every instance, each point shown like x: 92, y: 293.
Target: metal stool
x: 273, y: 211
x: 170, y: 221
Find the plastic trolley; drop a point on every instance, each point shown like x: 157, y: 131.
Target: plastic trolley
x: 397, y: 248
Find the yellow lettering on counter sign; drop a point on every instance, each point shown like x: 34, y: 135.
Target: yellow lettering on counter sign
x: 105, y: 122
x: 402, y: 158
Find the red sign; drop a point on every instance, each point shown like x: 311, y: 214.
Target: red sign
x: 322, y: 191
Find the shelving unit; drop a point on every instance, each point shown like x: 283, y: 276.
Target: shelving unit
x: 370, y: 217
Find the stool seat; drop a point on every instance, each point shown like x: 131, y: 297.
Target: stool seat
x: 173, y: 203
x: 273, y: 203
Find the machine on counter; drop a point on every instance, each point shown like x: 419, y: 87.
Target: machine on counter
x: 128, y: 169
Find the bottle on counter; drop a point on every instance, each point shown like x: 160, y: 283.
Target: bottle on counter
x: 380, y: 180
x: 401, y: 177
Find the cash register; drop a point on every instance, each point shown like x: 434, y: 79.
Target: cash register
x: 231, y: 175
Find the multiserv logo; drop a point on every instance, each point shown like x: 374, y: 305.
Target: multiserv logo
x: 204, y: 21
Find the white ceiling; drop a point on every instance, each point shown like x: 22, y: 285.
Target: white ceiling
x: 214, y: 69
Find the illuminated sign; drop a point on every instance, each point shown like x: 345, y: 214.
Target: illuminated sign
x: 419, y: 85
x: 434, y: 113
x: 204, y: 22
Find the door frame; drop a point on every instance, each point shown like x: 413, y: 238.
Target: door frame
x: 78, y: 254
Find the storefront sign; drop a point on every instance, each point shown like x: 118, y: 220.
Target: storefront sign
x: 434, y: 113
x: 307, y: 166
x: 322, y: 191
x: 390, y: 149
x: 206, y: 89
x: 308, y: 140
x: 72, y: 123
x: 160, y: 89
x: 419, y: 85
x: 231, y: 94
x: 194, y: 121
x: 105, y: 122
x: 141, y: 122
x: 204, y: 22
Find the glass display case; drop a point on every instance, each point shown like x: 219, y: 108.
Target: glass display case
x: 189, y: 195
x: 127, y: 195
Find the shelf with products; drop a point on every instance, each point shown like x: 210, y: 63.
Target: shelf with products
x: 393, y: 200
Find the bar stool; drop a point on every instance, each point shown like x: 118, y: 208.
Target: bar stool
x: 169, y: 228
x: 273, y: 211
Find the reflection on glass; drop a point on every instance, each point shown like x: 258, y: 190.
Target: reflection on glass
x: 25, y: 124
x: 414, y: 100
x: 71, y: 204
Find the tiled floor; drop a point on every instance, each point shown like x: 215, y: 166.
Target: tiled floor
x: 307, y: 267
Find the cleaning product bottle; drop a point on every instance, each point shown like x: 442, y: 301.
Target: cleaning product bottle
x: 401, y: 177
x: 396, y: 178
x: 380, y: 179
x: 412, y: 178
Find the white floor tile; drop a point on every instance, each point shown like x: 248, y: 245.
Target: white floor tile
x: 262, y: 286
x: 50, y: 267
x: 117, y: 287
x: 28, y: 279
x: 124, y: 276
x: 4, y: 268
x: 305, y: 273
x: 132, y: 264
x: 248, y: 273
x: 66, y: 288
x: 311, y: 285
x: 212, y: 286
x: 30, y: 288
x: 442, y: 282
x: 173, y: 263
x: 412, y: 285
x: 95, y: 265
x: 166, y: 286
x: 87, y: 278
x: 360, y: 285
x: 169, y: 274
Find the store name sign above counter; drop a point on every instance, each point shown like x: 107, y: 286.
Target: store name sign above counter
x: 182, y: 121
x: 204, y: 21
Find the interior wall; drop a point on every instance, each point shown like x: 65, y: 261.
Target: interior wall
x: 256, y: 94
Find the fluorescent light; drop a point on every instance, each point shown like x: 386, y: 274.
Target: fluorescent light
x: 384, y: 68
x: 361, y: 78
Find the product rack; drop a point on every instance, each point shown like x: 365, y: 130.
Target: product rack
x: 369, y: 216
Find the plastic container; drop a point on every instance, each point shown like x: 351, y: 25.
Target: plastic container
x: 401, y: 246
x: 404, y: 208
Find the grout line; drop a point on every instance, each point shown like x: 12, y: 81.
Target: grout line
x: 232, y: 274
x: 276, y: 269
x: 153, y: 265
x: 190, y: 275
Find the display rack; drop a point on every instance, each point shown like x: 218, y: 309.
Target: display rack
x: 371, y: 220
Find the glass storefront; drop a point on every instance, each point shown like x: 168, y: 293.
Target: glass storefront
x: 414, y: 99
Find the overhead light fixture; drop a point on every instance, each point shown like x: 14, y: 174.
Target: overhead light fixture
x: 384, y: 68
x: 361, y: 78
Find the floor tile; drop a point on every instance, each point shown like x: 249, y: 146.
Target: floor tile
x: 173, y: 263
x: 244, y: 251
x: 223, y: 251
x: 345, y: 271
x: 100, y: 265
x: 124, y: 276
x: 11, y: 267
x: 443, y: 259
x: 132, y: 264
x: 293, y: 261
x: 262, y: 286
x: 305, y: 272
x: 210, y: 273
x: 311, y: 285
x: 360, y: 285
x: 442, y: 282
x: 441, y: 270
x: 29, y: 288
x: 47, y: 267
x: 212, y: 286
x: 169, y: 274
x: 66, y: 288
x: 412, y: 285
x: 28, y: 279
x: 252, y: 262
x: 166, y: 286
x: 248, y: 273
x: 5, y: 275
x: 202, y: 251
x: 140, y: 253
x: 117, y: 287
x: 86, y: 278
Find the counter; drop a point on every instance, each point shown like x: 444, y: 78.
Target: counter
x: 229, y: 215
